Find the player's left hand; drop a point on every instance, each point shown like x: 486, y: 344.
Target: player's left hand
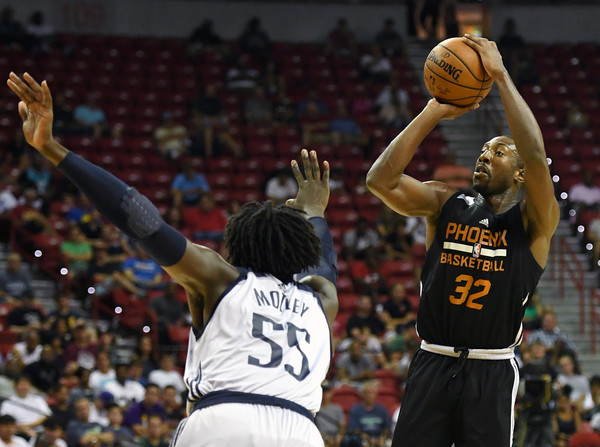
x: 313, y: 190
x: 488, y: 52
x: 35, y: 109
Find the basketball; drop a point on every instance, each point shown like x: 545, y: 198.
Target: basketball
x: 454, y: 74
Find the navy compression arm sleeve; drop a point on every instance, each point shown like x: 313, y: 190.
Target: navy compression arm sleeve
x: 125, y: 207
x: 327, y: 267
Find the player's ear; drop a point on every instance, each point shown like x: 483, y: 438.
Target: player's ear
x: 519, y: 175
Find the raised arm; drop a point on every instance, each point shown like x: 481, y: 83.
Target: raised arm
x: 201, y: 271
x: 541, y: 208
x: 387, y: 180
x: 312, y: 198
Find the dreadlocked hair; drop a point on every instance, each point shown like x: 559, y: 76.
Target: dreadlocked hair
x: 276, y: 240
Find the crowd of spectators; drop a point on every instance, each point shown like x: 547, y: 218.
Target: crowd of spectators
x: 82, y: 388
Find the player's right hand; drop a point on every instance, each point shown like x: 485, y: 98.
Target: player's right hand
x: 35, y: 109
x: 313, y: 190
x: 449, y: 111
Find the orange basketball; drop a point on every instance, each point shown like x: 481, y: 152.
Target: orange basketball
x: 454, y: 74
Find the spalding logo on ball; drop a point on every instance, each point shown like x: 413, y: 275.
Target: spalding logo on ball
x: 454, y: 74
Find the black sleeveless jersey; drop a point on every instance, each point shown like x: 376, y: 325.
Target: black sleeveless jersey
x: 478, y: 274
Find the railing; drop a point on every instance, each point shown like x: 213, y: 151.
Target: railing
x: 594, y: 318
x: 568, y: 264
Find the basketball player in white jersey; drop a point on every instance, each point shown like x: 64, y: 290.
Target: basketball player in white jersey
x: 260, y: 342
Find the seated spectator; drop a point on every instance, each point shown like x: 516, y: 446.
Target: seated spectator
x: 64, y: 311
x: 171, y: 138
x: 241, y: 78
x: 169, y: 311
x: 146, y: 353
x: 368, y: 420
x: 29, y: 215
x: 364, y: 317
x: 555, y: 341
x: 389, y: 40
x: 155, y: 436
x: 82, y: 350
x: 585, y: 194
x: 354, y: 367
x: 258, y: 110
x: 368, y: 278
x: 330, y: 419
x: 90, y: 118
x: 188, y: 186
x: 312, y: 97
x: 281, y: 187
x: 397, y: 313
x: 393, y: 105
x: 46, y: 371
x: 78, y: 378
x: 567, y: 419
x: 341, y: 40
x: 171, y: 401
x: 81, y: 432
x: 593, y: 235
x: 361, y: 241
x: 39, y: 176
x: 51, y: 435
x: 98, y: 408
x: 8, y: 196
x: 375, y: 66
x: 122, y: 434
x: 12, y: 32
x: 62, y: 409
x: 28, y: 409
x: 208, y: 126
x: 167, y: 374
x: 8, y: 430
x: 254, y: 41
x: 137, y: 416
x: 40, y: 35
x: 204, y: 39
x: 26, y: 314
x: 315, y: 125
x: 15, y: 281
x: 344, y: 129
x: 77, y: 252
x: 124, y: 390
x: 63, y: 124
x: 397, y: 244
x: 103, y: 372
x: 206, y: 221
x: 143, y: 272
x: 580, y: 390
x: 29, y: 349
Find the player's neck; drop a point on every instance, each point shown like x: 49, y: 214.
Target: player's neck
x: 500, y: 203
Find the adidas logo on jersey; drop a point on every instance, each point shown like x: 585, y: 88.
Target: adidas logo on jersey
x: 484, y: 222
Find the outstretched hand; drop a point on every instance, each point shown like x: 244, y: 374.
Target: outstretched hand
x: 313, y: 191
x: 35, y: 109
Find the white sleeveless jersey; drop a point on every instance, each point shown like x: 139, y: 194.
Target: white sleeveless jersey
x: 263, y: 337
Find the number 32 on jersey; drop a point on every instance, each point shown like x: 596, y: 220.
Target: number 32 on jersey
x: 469, y: 290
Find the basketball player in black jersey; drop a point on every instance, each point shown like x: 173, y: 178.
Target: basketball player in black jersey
x: 485, y: 256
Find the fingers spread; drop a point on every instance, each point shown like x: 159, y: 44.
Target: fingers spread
x: 47, y: 96
x: 326, y: 172
x: 23, y: 110
x: 314, y: 163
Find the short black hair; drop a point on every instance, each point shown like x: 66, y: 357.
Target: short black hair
x: 276, y: 240
x: 6, y: 419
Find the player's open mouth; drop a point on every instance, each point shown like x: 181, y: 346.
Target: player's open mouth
x: 481, y: 170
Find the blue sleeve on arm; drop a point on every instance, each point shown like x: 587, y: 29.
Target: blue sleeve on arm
x: 328, y: 263
x: 125, y: 207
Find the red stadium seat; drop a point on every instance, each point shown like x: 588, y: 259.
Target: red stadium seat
x: 345, y: 396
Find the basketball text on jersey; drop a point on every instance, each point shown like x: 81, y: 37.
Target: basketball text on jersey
x: 280, y: 301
